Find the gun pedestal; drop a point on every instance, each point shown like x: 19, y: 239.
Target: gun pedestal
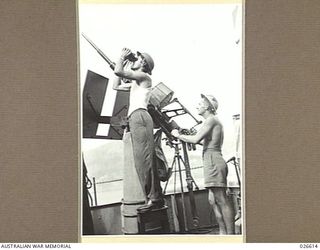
x: 133, y: 195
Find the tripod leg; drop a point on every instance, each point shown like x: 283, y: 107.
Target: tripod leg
x: 195, y: 184
x: 175, y: 177
x: 237, y: 172
x: 173, y: 197
x: 172, y: 167
x: 182, y: 197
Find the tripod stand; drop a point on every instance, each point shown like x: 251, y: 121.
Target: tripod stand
x: 238, y: 198
x: 176, y: 167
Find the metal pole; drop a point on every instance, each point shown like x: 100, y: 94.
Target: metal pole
x: 172, y: 167
x: 95, y: 191
x: 190, y: 181
x: 182, y: 194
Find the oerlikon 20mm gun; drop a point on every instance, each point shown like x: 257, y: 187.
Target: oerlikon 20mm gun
x: 160, y: 97
x: 131, y: 57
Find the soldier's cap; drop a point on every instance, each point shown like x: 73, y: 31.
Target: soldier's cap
x: 148, y: 59
x: 213, y: 103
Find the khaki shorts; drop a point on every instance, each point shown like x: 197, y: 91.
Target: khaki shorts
x: 215, y: 169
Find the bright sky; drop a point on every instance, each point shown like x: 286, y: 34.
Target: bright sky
x: 195, y: 51
x: 193, y: 45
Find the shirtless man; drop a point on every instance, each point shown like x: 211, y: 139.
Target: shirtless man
x: 215, y: 168
x: 140, y: 122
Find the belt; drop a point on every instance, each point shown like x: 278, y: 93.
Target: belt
x: 212, y: 149
x: 138, y: 109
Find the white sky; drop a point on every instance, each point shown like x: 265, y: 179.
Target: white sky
x: 195, y: 51
x: 193, y: 46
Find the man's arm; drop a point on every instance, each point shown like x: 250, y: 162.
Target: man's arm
x: 204, y: 130
x: 117, y: 85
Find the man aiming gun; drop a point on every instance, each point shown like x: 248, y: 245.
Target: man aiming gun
x: 140, y: 122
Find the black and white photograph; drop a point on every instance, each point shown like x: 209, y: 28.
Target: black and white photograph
x: 161, y: 119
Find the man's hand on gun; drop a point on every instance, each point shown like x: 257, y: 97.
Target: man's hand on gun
x: 175, y: 133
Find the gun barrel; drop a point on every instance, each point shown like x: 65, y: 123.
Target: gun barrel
x: 111, y: 64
